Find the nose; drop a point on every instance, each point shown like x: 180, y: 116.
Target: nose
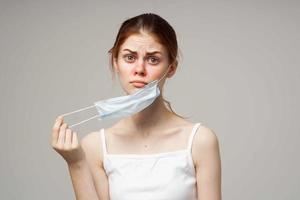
x: 140, y: 68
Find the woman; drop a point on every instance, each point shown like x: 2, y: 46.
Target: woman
x: 154, y: 154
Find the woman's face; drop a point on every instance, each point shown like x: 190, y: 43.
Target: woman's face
x: 141, y: 59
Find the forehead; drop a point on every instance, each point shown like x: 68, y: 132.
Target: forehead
x: 142, y: 42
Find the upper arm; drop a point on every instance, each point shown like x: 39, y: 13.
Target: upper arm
x: 91, y: 144
x: 208, y: 164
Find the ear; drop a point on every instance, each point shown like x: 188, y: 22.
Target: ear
x: 115, y: 64
x: 172, y: 70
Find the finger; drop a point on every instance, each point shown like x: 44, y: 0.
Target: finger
x: 55, y: 129
x: 62, y: 133
x: 74, y: 139
x: 59, y: 118
x: 68, y: 139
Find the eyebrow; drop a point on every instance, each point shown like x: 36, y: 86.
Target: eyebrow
x: 148, y: 53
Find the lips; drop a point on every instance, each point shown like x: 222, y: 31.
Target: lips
x: 138, y: 84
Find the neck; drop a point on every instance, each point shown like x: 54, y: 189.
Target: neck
x: 145, y: 121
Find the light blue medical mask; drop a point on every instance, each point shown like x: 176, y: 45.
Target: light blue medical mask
x: 124, y: 106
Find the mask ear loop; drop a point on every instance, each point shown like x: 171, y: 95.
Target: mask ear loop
x: 164, y: 74
x: 76, y: 111
x: 79, y: 110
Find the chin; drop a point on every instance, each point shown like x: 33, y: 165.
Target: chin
x: 133, y: 90
x: 130, y: 91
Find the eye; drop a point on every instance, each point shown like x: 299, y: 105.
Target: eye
x: 153, y: 60
x: 129, y: 58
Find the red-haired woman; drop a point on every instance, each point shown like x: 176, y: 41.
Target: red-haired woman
x: 154, y: 154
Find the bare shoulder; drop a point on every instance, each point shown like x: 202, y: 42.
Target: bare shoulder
x: 206, y: 137
x: 205, y: 145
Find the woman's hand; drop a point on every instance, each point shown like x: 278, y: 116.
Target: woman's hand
x: 65, y: 142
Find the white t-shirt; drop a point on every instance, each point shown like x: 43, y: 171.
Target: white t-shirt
x: 161, y: 176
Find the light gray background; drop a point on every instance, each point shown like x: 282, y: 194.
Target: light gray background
x: 239, y: 75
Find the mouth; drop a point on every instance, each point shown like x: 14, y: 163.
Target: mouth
x: 138, y: 84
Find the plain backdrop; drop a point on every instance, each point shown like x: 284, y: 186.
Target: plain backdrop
x: 239, y: 75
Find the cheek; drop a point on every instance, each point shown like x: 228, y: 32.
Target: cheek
x: 154, y: 73
x: 124, y: 67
